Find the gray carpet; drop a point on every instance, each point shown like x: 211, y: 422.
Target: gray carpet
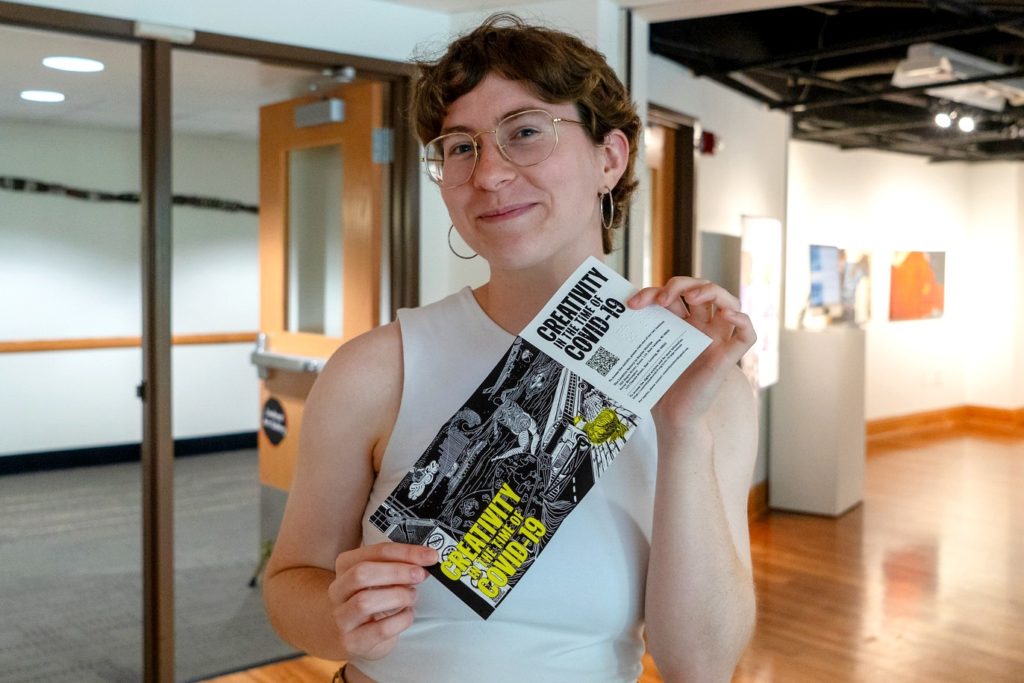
x: 70, y: 582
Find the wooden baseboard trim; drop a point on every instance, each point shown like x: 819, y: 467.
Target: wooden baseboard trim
x: 757, y: 501
x: 1006, y: 421
x: 983, y: 419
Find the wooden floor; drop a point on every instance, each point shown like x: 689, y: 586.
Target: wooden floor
x: 924, y: 582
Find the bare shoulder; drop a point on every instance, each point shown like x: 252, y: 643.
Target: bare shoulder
x: 373, y: 355
x: 360, y: 387
x: 346, y: 420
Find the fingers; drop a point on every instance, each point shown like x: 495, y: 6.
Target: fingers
x: 374, y: 605
x: 664, y: 295
x: 381, y: 564
x: 694, y: 291
x: 704, y: 295
x: 376, y: 638
x: 743, y: 327
x: 388, y: 552
x: 374, y: 592
x: 707, y: 306
x: 693, y: 299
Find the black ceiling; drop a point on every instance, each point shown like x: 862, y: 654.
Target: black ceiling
x: 830, y: 65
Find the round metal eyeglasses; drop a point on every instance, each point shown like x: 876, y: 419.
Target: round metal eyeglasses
x: 525, y: 139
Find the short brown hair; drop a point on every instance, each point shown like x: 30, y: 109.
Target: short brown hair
x: 555, y: 66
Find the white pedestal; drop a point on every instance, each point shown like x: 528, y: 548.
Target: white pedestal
x: 816, y: 453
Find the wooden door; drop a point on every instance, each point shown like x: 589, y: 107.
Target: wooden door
x: 670, y: 158
x: 661, y: 160
x: 320, y: 254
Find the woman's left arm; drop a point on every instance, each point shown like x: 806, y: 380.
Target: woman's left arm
x: 700, y: 607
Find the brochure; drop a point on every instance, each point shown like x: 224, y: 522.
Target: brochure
x: 505, y: 470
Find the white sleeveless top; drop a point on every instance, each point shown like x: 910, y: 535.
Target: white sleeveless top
x: 577, y: 615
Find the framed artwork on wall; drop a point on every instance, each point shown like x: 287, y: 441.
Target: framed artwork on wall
x: 918, y: 285
x: 840, y: 279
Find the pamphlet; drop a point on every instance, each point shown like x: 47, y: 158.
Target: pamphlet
x: 505, y: 470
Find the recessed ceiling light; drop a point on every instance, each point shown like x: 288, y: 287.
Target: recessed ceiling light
x: 966, y: 124
x: 943, y: 120
x: 79, y: 64
x: 42, y: 96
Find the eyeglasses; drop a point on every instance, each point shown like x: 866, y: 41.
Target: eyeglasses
x: 525, y: 139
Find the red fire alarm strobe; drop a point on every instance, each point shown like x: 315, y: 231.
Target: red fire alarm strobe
x: 709, y: 143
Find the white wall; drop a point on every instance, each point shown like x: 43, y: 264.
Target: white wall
x: 883, y: 203
x: 747, y: 176
x: 996, y: 299
x: 595, y: 21
x: 1017, y: 377
x: 70, y: 269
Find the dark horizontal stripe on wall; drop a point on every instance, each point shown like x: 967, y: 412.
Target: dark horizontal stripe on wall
x: 129, y: 452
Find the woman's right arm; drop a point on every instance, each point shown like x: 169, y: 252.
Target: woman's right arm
x: 325, y: 593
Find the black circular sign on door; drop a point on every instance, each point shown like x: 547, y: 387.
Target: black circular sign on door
x: 275, y: 426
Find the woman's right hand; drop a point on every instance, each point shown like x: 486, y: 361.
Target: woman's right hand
x: 373, y: 594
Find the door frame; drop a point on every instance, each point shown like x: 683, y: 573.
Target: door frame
x: 684, y: 199
x: 402, y: 251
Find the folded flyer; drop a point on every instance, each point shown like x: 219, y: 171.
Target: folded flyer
x: 502, y: 473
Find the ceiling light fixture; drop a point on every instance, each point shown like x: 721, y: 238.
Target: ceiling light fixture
x: 928, y: 63
x: 42, y: 96
x: 966, y: 123
x: 77, y: 64
x: 943, y: 120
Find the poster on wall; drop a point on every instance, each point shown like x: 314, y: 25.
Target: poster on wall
x: 760, y: 294
x: 918, y: 285
x: 840, y: 285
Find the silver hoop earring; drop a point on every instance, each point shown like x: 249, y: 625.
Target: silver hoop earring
x: 452, y: 249
x: 607, y: 224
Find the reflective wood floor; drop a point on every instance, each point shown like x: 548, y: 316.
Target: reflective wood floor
x: 924, y: 582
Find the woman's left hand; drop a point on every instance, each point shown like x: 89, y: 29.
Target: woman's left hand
x: 716, y: 313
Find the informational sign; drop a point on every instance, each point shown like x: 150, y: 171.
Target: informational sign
x: 275, y: 424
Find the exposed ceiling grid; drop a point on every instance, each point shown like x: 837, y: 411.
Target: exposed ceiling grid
x: 842, y: 71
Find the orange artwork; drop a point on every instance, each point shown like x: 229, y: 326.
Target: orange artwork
x: 918, y: 287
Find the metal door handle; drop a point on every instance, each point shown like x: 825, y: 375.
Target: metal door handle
x: 271, y: 360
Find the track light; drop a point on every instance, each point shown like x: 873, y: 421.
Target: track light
x: 946, y: 118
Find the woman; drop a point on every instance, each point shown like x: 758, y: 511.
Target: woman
x: 660, y: 545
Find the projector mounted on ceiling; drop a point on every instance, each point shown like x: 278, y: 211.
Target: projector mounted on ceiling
x: 930, y: 63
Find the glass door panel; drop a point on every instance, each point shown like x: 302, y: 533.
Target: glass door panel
x: 315, y: 280
x: 70, y: 423
x: 220, y: 624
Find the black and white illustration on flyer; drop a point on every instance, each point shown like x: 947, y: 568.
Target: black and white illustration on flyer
x: 502, y: 474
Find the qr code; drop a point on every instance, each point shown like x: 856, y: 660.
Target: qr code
x: 603, y: 360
